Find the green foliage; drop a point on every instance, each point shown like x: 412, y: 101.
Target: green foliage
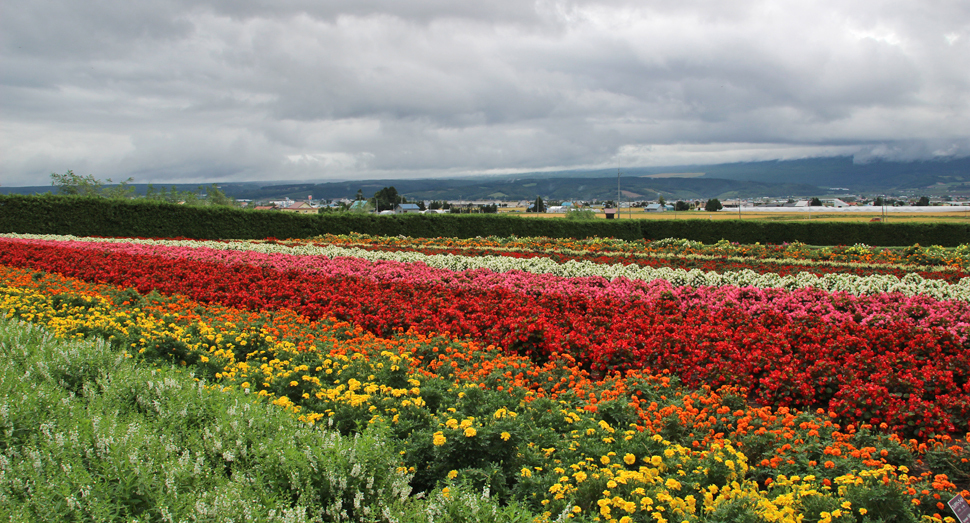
x: 713, y: 205
x: 123, y: 442
x: 386, y: 198
x: 537, y: 206
x: 811, y: 233
x: 580, y: 214
x: 210, y: 195
x: 461, y: 504
x: 77, y: 185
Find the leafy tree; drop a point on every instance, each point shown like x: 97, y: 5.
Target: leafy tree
x: 422, y: 206
x: 215, y: 196
x: 713, y: 205
x: 815, y: 202
x: 537, y: 206
x: 74, y: 184
x: 923, y: 201
x: 360, y: 195
x: 122, y: 191
x: 172, y: 195
x: 609, y: 204
x: 681, y: 206
x: 879, y: 202
x: 386, y: 198
x: 661, y: 200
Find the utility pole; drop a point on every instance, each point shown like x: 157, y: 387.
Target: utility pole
x: 617, y: 193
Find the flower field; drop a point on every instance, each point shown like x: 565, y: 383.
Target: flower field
x: 581, y: 389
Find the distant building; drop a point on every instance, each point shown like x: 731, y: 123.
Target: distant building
x: 407, y: 208
x: 302, y: 208
x: 358, y: 206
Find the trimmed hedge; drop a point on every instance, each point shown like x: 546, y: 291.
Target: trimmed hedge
x: 812, y: 233
x: 85, y: 216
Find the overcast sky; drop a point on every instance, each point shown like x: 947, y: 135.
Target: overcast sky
x: 234, y: 90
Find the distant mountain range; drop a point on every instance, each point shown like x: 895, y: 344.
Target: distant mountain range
x: 788, y: 178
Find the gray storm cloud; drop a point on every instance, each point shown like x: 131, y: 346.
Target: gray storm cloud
x: 259, y: 90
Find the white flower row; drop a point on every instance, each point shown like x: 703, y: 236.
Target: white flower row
x: 791, y: 262
x: 911, y: 285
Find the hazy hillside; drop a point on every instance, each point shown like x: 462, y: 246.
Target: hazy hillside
x: 807, y: 177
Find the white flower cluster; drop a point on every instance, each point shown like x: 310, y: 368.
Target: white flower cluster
x: 910, y: 285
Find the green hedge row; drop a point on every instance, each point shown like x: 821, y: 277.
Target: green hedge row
x: 80, y: 216
x: 812, y: 233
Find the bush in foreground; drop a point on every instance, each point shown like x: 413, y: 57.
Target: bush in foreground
x: 88, y: 435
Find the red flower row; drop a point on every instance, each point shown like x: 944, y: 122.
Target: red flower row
x: 916, y: 379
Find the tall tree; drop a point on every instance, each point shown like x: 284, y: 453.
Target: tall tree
x: 713, y: 205
x: 538, y: 206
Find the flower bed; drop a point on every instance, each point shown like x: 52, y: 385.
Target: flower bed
x: 687, y: 262
x: 549, y: 435
x: 911, y: 284
x: 918, y: 258
x: 881, y: 359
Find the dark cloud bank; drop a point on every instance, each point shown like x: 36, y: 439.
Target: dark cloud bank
x: 171, y: 91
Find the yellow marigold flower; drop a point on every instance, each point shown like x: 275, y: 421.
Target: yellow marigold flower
x: 526, y: 473
x: 656, y: 461
x: 863, y: 511
x: 453, y: 474
x: 629, y: 459
x: 294, y: 383
x: 439, y: 439
x: 446, y: 492
x: 605, y: 460
x: 470, y: 432
x: 577, y: 510
x: 506, y: 436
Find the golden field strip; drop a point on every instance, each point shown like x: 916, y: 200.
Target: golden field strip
x: 827, y: 216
